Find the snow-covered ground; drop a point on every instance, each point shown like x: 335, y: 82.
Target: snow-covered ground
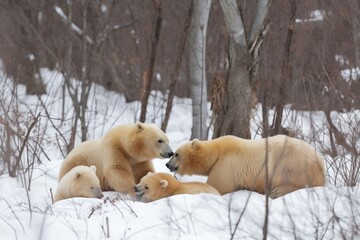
x: 320, y: 213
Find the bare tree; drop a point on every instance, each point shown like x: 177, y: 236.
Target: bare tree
x: 148, y: 74
x: 243, y: 50
x: 197, y: 70
x: 285, y: 74
x: 67, y: 73
x: 175, y: 72
x: 79, y: 92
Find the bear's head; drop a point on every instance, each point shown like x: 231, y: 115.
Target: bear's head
x: 154, y: 186
x: 149, y: 142
x: 190, y: 158
x: 85, y: 183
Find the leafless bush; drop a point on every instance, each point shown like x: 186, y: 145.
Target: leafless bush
x: 344, y: 150
x: 21, y: 147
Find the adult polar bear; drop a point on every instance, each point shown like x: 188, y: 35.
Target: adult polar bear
x: 233, y: 163
x: 122, y: 156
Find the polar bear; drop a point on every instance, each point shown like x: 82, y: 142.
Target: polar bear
x: 155, y: 186
x: 233, y: 163
x: 122, y: 156
x: 81, y: 181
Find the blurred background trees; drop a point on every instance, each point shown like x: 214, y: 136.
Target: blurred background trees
x: 110, y: 43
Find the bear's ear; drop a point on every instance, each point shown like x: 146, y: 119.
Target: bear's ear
x: 195, y: 143
x: 139, y: 126
x: 77, y: 175
x: 164, y: 183
x: 149, y: 174
x: 93, y: 168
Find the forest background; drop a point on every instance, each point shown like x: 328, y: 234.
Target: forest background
x: 71, y: 70
x: 302, y: 54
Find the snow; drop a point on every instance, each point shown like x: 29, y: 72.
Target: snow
x: 342, y: 60
x: 314, y: 16
x: 351, y: 74
x: 316, y: 213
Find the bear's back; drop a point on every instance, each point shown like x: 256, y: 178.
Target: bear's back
x: 196, y: 188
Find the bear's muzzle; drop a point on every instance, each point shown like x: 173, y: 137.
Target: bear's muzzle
x: 166, y: 151
x: 139, y: 192
x: 167, y: 155
x: 172, y: 167
x: 97, y: 192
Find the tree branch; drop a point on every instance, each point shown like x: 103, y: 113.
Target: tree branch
x: 25, y: 141
x: 259, y: 22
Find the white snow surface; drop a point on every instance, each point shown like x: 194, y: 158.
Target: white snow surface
x: 314, y: 16
x: 316, y: 213
x: 351, y: 74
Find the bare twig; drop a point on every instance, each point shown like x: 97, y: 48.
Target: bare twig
x: 25, y: 141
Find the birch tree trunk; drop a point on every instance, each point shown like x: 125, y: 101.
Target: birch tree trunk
x: 85, y: 83
x: 234, y: 114
x: 197, y: 71
x: 67, y: 74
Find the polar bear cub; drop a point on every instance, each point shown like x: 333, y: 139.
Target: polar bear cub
x: 154, y: 186
x: 81, y: 181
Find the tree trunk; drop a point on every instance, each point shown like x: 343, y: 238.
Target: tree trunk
x: 236, y: 106
x: 197, y: 71
x: 85, y: 83
x: 239, y: 97
x: 285, y: 74
x: 235, y: 113
x: 31, y: 76
x: 175, y: 72
x: 75, y: 89
x: 147, y: 75
x: 67, y: 74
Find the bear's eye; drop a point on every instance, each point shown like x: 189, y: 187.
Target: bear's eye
x: 160, y: 141
x: 176, y: 154
x: 146, y: 187
x: 91, y: 188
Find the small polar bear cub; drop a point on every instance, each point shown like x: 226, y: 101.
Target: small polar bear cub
x: 81, y: 181
x: 154, y: 186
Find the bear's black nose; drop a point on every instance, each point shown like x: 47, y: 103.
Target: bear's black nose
x: 136, y: 189
x: 172, y: 168
x: 170, y: 154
